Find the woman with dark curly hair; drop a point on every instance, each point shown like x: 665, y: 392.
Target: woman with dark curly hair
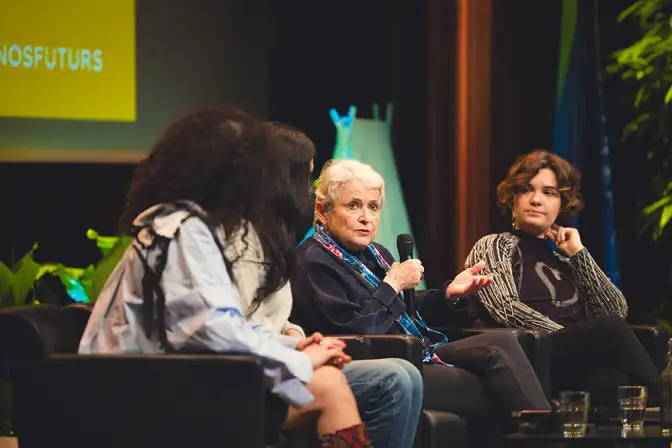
x: 545, y: 279
x: 214, y: 184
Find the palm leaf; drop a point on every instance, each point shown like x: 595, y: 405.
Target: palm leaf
x: 6, y: 278
x: 97, y: 278
x: 25, y: 276
x: 658, y: 204
x: 665, y: 217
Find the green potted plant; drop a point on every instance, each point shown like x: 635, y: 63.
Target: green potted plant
x: 85, y: 284
x: 645, y: 69
x: 18, y: 285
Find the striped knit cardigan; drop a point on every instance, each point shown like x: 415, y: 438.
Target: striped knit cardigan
x: 500, y: 299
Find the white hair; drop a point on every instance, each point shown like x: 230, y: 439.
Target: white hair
x: 337, y: 172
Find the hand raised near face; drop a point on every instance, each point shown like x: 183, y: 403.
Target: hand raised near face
x: 566, y: 239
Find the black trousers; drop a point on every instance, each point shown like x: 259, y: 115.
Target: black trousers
x: 598, y: 355
x: 491, y: 378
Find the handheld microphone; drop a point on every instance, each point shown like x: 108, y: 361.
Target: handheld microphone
x: 405, y: 245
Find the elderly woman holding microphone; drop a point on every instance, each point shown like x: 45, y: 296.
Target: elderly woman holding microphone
x: 346, y: 283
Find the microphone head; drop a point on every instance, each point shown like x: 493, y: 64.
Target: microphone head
x: 405, y: 244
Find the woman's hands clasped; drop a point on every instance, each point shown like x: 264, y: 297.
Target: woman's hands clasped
x: 324, y: 350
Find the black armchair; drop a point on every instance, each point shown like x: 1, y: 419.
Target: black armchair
x: 536, y: 343
x: 167, y: 400
x: 655, y: 340
x: 140, y: 401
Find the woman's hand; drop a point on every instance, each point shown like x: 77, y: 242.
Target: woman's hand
x: 406, y: 275
x: 314, y: 338
x: 328, y: 343
x: 467, y: 282
x: 325, y: 354
x: 566, y: 239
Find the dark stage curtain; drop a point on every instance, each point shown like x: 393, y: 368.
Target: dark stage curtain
x: 334, y: 55
x: 55, y: 204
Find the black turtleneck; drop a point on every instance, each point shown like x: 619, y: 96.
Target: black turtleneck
x: 544, y: 282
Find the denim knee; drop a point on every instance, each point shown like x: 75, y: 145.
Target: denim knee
x: 389, y: 396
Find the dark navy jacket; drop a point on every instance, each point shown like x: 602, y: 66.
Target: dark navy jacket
x: 330, y: 297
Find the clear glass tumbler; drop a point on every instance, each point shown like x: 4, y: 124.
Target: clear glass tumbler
x: 632, y: 402
x: 573, y: 412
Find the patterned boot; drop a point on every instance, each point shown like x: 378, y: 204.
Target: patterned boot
x: 352, y: 437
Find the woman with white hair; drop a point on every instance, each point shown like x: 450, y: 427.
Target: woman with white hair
x: 346, y: 283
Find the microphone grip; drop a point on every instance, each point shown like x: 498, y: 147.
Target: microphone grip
x: 409, y: 294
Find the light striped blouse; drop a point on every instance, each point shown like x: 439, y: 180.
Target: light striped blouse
x: 500, y: 298
x: 205, y: 311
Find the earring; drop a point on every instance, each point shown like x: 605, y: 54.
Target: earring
x: 513, y: 220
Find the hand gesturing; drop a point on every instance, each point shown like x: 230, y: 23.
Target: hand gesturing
x: 467, y: 282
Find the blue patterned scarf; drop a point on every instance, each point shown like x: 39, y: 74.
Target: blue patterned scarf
x: 418, y: 328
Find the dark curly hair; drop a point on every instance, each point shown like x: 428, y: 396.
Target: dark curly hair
x: 298, y: 151
x: 238, y: 172
x: 526, y: 168
x: 288, y: 198
x: 206, y: 157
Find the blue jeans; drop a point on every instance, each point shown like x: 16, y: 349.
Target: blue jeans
x: 389, y: 397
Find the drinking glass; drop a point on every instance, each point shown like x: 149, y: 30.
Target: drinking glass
x: 632, y: 401
x: 573, y: 412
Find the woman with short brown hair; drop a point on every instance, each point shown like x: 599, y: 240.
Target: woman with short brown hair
x: 543, y: 278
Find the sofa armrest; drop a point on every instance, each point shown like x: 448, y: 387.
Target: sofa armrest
x: 31, y: 332
x: 538, y: 352
x: 654, y: 339
x: 128, y: 400
x: 437, y: 427
x: 384, y: 346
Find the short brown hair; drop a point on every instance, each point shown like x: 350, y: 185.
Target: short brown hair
x: 527, y: 166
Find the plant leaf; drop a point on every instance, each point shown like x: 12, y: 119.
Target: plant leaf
x: 629, y: 11
x: 49, y: 268
x: 105, y: 267
x: 665, y: 217
x: 24, y: 276
x: 104, y: 243
x: 656, y: 205
x: 69, y: 277
x: 668, y: 96
x: 6, y: 279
